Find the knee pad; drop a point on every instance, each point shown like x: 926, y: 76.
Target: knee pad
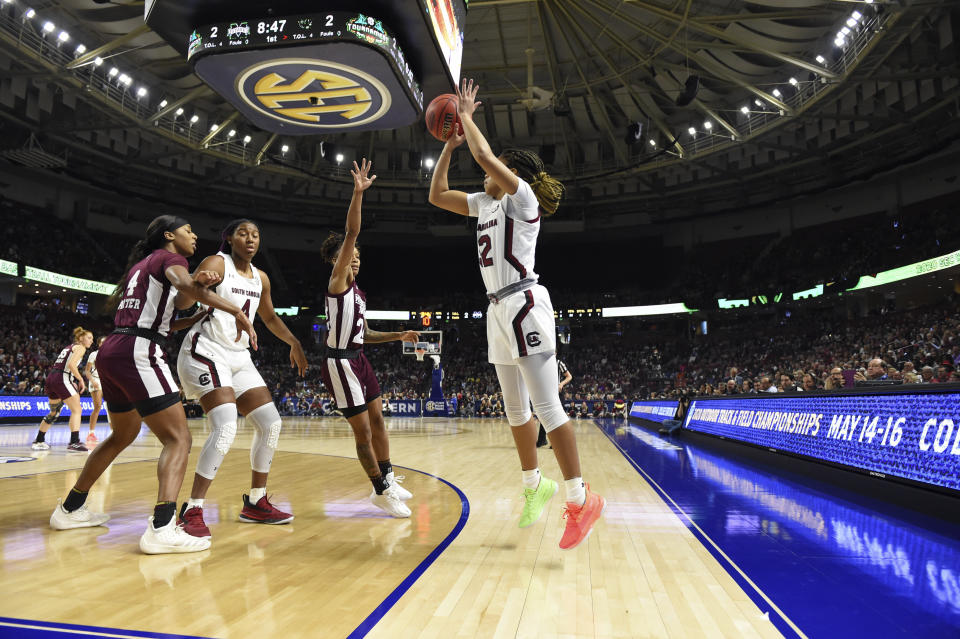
x: 551, y: 414
x: 266, y: 436
x: 223, y: 430
x: 54, y: 413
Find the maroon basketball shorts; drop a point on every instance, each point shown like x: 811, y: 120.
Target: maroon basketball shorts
x: 59, y: 385
x: 351, y: 382
x: 134, y: 375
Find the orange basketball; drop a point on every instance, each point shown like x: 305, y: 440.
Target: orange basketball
x: 441, y: 116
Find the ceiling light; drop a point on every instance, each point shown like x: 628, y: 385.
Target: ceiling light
x: 29, y: 13
x: 214, y: 127
x: 246, y: 139
x: 759, y: 103
x: 856, y: 15
x: 745, y: 109
x: 141, y: 92
x: 114, y: 71
x: 821, y: 59
x: 284, y: 148
x: 126, y: 79
x: 81, y: 49
x: 97, y: 61
x: 845, y: 31
x: 708, y: 125
x: 653, y: 143
x: 839, y: 42
x: 428, y: 163
x: 179, y: 112
x: 63, y: 36
x: 231, y: 133
x: 163, y: 103
x: 793, y: 81
x: 776, y: 93
x: 339, y: 157
x: 194, y: 118
x: 48, y: 27
x: 851, y: 22
x: 692, y: 131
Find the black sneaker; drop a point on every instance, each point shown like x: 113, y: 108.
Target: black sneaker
x: 77, y: 446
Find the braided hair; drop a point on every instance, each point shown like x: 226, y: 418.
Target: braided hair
x: 530, y: 168
x: 153, y: 240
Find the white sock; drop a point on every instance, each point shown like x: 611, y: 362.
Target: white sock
x: 256, y: 494
x: 531, y: 478
x: 576, y: 492
x: 194, y: 502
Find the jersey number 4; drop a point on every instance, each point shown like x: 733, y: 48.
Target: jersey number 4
x: 485, y: 243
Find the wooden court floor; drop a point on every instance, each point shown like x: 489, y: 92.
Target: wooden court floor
x: 343, y: 567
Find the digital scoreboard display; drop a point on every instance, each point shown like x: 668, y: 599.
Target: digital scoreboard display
x: 913, y: 436
x: 303, y: 74
x: 447, y: 18
x: 654, y: 410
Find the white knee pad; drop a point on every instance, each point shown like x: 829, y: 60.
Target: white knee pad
x: 223, y: 430
x: 540, y: 374
x: 516, y: 401
x: 266, y: 436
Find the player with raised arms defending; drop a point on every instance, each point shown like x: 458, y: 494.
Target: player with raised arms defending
x: 218, y: 370
x: 346, y: 372
x: 521, y: 334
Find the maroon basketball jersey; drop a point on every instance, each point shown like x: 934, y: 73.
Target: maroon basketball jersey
x: 345, y: 318
x: 61, y: 363
x: 148, y: 299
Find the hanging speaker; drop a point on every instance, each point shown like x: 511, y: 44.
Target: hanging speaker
x: 689, y: 91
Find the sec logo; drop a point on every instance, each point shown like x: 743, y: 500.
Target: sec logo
x: 313, y: 93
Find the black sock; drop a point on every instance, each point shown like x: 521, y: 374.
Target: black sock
x: 75, y: 437
x: 41, y: 436
x: 75, y: 499
x: 385, y: 467
x: 379, y: 484
x: 163, y: 512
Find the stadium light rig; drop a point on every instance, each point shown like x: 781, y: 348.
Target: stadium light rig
x: 29, y: 14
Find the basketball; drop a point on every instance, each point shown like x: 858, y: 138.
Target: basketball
x: 441, y: 116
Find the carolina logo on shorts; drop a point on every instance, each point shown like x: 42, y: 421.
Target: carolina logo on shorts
x: 533, y: 339
x: 313, y: 93
x: 204, y: 379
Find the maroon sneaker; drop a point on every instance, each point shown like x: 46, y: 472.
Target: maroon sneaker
x: 263, y: 512
x: 192, y: 521
x: 78, y: 447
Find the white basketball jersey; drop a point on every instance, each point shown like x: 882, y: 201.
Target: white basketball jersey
x: 220, y: 326
x: 92, y: 361
x: 507, y: 231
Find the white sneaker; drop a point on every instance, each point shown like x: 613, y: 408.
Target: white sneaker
x: 395, y: 481
x: 169, y: 539
x: 390, y: 503
x: 79, y: 518
x: 40, y: 446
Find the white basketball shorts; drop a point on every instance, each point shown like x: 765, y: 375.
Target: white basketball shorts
x: 203, y: 366
x: 521, y: 325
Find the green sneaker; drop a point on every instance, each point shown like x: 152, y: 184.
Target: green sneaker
x: 536, y: 500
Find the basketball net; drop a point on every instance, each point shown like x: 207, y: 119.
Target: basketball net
x: 419, y: 352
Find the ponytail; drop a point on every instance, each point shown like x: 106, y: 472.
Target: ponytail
x: 78, y: 333
x: 154, y: 239
x: 548, y: 190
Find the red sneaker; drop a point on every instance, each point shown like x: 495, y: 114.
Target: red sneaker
x: 263, y: 512
x: 580, y: 519
x: 192, y: 520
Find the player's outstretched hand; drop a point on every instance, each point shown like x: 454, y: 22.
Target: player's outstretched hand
x: 466, y: 98
x: 410, y: 336
x: 298, y: 359
x: 244, y: 325
x: 361, y: 175
x: 206, y: 279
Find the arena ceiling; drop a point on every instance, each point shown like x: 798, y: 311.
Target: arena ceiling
x: 593, y: 85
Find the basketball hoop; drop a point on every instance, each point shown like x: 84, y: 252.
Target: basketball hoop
x: 419, y: 352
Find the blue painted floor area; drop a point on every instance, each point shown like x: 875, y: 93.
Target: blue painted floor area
x: 26, y: 629
x: 837, y: 563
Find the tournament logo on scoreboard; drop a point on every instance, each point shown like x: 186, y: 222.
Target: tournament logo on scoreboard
x: 369, y: 29
x: 313, y: 93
